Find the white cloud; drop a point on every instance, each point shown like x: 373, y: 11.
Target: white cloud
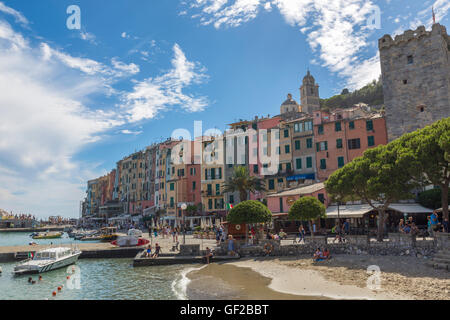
x: 157, y: 94
x: 125, y: 35
x: 46, y: 119
x: 43, y: 125
x: 335, y: 30
x: 87, y: 36
x: 17, y: 15
x: 126, y: 131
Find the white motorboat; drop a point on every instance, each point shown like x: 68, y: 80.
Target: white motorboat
x: 135, y: 233
x: 47, y: 260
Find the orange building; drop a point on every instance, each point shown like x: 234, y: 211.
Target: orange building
x: 344, y: 134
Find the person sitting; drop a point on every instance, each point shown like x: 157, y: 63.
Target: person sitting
x: 148, y: 252
x: 208, y: 255
x: 407, y: 228
x: 282, y: 234
x: 326, y: 254
x: 401, y: 226
x: 318, y: 255
x: 157, y: 251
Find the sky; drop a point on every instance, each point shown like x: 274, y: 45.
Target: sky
x: 75, y: 101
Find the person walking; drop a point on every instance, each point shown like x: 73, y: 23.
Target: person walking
x: 301, y: 233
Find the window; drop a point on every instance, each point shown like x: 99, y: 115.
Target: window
x: 309, y: 143
x: 320, y: 129
x: 297, y: 144
x: 231, y: 199
x: 371, y: 141
x: 278, y: 150
x: 340, y: 162
x: 287, y: 148
x: 351, y: 125
x: 217, y: 189
x: 298, y: 127
x: 255, y: 152
x: 410, y: 60
x: 369, y: 125
x: 277, y: 134
x: 323, y: 164
x: 339, y: 143
x: 280, y: 167
x: 308, y: 126
x: 171, y: 202
x: 405, y: 81
x: 354, y: 144
x: 286, y: 133
x: 172, y: 186
x: 255, y: 168
x: 322, y: 146
x: 337, y: 126
x: 321, y: 197
x: 209, y: 190
x: 298, y: 164
x: 280, y: 180
x: 309, y: 162
x: 271, y: 184
x: 288, y: 167
x: 193, y: 185
x: 209, y: 204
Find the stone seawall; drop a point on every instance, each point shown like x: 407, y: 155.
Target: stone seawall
x: 397, y: 245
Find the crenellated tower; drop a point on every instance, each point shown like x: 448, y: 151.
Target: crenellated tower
x: 415, y: 68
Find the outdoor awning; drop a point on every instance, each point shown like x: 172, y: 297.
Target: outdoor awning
x: 409, y: 208
x: 149, y: 211
x: 300, y: 191
x: 350, y: 211
x: 440, y: 209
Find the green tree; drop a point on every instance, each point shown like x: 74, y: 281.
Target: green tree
x: 428, y: 150
x: 379, y: 177
x: 432, y: 198
x: 250, y: 211
x: 307, y: 209
x: 243, y: 182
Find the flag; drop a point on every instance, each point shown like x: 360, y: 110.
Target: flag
x: 229, y: 206
x: 30, y: 255
x: 434, y: 15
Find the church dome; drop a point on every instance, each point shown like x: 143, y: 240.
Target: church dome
x: 290, y: 101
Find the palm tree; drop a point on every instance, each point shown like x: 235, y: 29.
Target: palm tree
x: 243, y: 182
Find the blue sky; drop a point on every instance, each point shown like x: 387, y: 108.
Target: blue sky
x: 73, y: 102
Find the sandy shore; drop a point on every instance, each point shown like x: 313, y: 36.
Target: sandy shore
x: 345, y: 277
x: 230, y: 282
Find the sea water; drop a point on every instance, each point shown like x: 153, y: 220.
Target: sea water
x: 99, y: 279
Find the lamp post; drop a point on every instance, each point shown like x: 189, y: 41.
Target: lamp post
x: 183, y: 208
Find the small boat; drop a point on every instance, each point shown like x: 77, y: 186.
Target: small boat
x: 106, y: 234
x: 135, y: 233
x: 130, y: 241
x: 47, y: 260
x: 48, y: 235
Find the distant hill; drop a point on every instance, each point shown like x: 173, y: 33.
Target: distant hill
x: 371, y: 94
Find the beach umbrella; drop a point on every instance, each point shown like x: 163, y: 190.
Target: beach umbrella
x: 202, y: 223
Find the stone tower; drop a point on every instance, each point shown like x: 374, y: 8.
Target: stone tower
x: 290, y: 105
x: 309, y: 93
x: 415, y: 70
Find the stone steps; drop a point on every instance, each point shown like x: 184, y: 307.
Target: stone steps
x: 441, y: 260
x: 442, y: 256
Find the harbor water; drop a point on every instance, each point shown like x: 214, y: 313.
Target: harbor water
x: 99, y: 279
x: 23, y: 238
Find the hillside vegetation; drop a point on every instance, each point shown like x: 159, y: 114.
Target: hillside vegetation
x: 371, y: 94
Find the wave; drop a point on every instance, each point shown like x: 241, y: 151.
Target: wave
x: 180, y: 284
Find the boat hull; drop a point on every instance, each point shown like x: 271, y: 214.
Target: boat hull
x: 51, y: 266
